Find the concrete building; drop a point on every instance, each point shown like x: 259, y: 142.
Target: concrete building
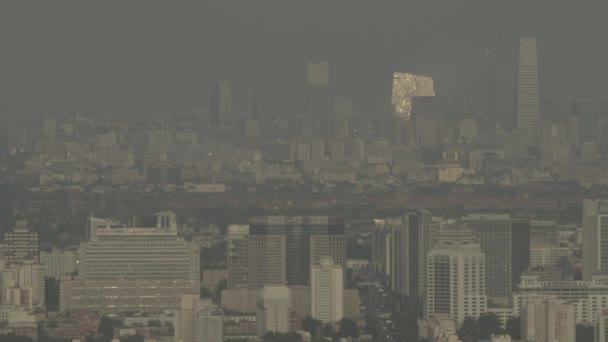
x: 58, y: 263
x: 133, y: 267
x: 587, y: 297
x: 595, y: 237
x: 274, y: 310
x: 327, y: 291
x: 548, y: 321
x: 306, y: 240
x: 20, y: 245
x: 209, y: 324
x: 400, y: 248
x: 185, y: 318
x: 255, y: 260
x: 505, y: 243
x: 456, y: 277
x: 601, y: 325
x: 527, y: 94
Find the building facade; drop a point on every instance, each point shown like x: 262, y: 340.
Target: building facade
x: 327, y: 291
x: 456, y: 277
x: 527, y: 94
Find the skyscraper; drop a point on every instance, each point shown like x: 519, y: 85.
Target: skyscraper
x: 255, y: 260
x: 585, y: 114
x: 456, y: 277
x: 319, y: 103
x: 133, y: 269
x: 220, y: 106
x: 499, y: 85
x: 210, y: 324
x: 274, y: 310
x: 327, y: 291
x: 595, y: 237
x: 506, y: 245
x: 405, y: 87
x: 307, y: 238
x: 527, y: 90
x: 548, y: 321
x: 21, y: 245
x: 408, y: 241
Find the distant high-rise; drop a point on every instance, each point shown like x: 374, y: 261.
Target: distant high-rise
x: 499, y: 87
x: 405, y: 242
x: 407, y: 86
x: 133, y: 269
x: 255, y: 260
x: 527, y: 90
x: 506, y: 245
x: 456, y: 277
x: 220, y: 106
x: 252, y: 105
x: 585, y: 114
x: 548, y: 321
x: 21, y: 245
x: 307, y: 239
x: 327, y: 291
x: 274, y: 310
x: 595, y: 237
x: 4, y: 148
x: 210, y: 324
x: 319, y: 103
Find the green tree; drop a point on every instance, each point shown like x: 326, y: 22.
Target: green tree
x: 311, y: 326
x: 468, y: 330
x: 281, y: 337
x: 106, y: 326
x: 132, y: 338
x: 15, y: 338
x: 407, y: 325
x: 348, y: 328
x: 514, y: 328
x: 584, y: 333
x: 488, y: 324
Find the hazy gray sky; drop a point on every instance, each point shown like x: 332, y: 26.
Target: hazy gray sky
x: 157, y: 54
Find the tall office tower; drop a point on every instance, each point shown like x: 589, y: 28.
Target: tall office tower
x: 58, y: 263
x: 185, y: 323
x: 587, y: 128
x: 319, y: 103
x: 274, y: 310
x: 506, y: 245
x: 456, y: 276
x: 133, y: 269
x: 31, y: 276
x: 209, y: 324
x: 253, y: 110
x: 4, y: 148
x: 327, y: 291
x: 307, y: 239
x: 405, y: 88
x: 409, y: 240
x: 595, y: 237
x: 548, y: 321
x: 49, y: 127
x: 220, y: 106
x: 527, y: 90
x: 20, y: 245
x: 499, y: 87
x: 601, y: 325
x: 255, y: 260
x: 380, y: 246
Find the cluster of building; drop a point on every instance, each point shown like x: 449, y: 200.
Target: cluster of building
x: 451, y: 269
x: 416, y: 136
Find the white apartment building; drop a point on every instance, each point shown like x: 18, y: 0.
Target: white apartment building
x: 587, y: 297
x: 548, y: 321
x: 327, y: 291
x: 456, y: 277
x: 274, y: 310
